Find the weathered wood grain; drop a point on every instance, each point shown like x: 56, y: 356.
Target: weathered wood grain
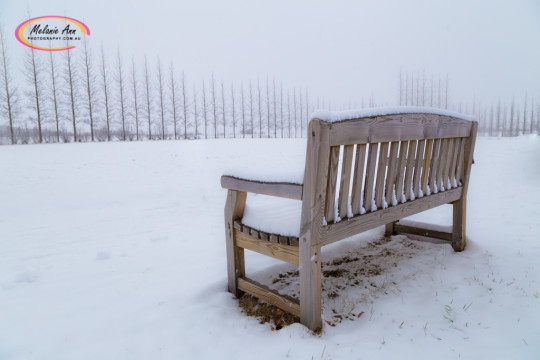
x: 401, y: 170
x: 391, y: 173
x: 418, y: 167
x: 368, y: 221
x: 426, y: 165
x: 286, y: 190
x: 278, y: 251
x: 434, y: 165
x: 346, y: 178
x: 264, y: 293
x: 234, y: 209
x: 405, y: 229
x: 332, y: 184
x: 370, y: 176
x: 381, y: 173
x: 410, y: 169
x: 359, y: 164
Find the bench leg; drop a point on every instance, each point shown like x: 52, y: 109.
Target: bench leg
x: 389, y: 229
x: 234, y: 209
x: 310, y: 285
x: 458, y: 226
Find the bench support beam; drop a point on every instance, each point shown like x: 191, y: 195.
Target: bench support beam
x: 234, y: 209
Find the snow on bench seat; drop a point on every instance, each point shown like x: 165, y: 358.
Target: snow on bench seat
x: 273, y: 215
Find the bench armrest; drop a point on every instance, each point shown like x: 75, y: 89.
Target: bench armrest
x: 281, y: 189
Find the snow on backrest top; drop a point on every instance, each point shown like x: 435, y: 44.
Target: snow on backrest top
x: 336, y: 116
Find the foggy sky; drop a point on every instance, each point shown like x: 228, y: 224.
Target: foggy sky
x: 339, y: 50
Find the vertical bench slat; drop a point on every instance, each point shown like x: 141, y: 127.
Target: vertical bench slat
x: 358, y: 179
x: 427, y: 163
x: 401, y: 170
x: 449, y: 157
x: 391, y: 175
x: 452, y: 171
x: 346, y: 171
x: 459, y: 170
x: 370, y: 176
x: 331, y: 188
x: 442, y: 164
x: 410, y: 169
x: 381, y: 172
x: 418, y: 167
x: 433, y: 167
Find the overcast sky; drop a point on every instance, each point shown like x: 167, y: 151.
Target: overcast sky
x: 340, y: 50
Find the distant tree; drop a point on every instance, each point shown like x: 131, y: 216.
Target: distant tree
x: 135, y: 97
x: 120, y: 78
x: 8, y: 98
x: 400, y: 87
x: 431, y: 92
x: 204, y: 110
x: 233, y: 111
x: 260, y: 107
x: 34, y: 75
x: 301, y: 114
x: 148, y: 104
x: 71, y: 80
x: 406, y: 90
x: 90, y: 85
x: 512, y: 113
x: 184, y: 105
x: 446, y: 93
x: 275, y: 116
x: 195, y: 115
x: 498, y: 117
x: 295, y: 112
x: 54, y: 93
x: 531, y: 128
x: 423, y: 87
x: 173, y: 88
x: 491, y: 121
x: 251, y: 108
x: 161, y: 101
x: 104, y: 72
x: 243, y: 110
x: 268, y: 106
x: 281, y: 106
x: 524, y: 126
x: 214, y: 106
x: 289, y: 111
x: 223, y: 114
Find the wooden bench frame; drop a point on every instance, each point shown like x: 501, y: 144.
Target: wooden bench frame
x: 425, y: 151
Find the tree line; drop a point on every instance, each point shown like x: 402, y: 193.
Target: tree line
x: 82, y: 96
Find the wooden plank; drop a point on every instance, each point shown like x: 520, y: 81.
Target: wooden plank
x: 426, y: 166
x: 274, y: 238
x: 283, y: 240
x: 368, y: 221
x: 280, y: 189
x: 449, y: 157
x: 358, y: 178
x: 264, y: 293
x: 370, y: 176
x: 391, y: 173
x: 459, y: 232
x: 332, y: 181
x: 405, y: 229
x: 418, y: 167
x: 433, y: 166
x: 401, y: 170
x: 400, y: 127
x: 410, y: 169
x: 381, y: 173
x: 234, y: 209
x: 313, y: 206
x: 278, y: 251
x: 346, y: 171
x: 452, y: 171
x: 459, y: 167
x: 442, y: 164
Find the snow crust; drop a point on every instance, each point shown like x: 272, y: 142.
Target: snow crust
x: 336, y: 116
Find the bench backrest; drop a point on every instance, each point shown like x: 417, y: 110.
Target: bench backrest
x: 366, y: 164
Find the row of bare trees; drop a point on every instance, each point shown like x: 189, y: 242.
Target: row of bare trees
x: 77, y: 96
x: 500, y: 119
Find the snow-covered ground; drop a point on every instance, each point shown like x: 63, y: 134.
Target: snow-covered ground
x: 117, y: 251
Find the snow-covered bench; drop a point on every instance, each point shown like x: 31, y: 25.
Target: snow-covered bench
x: 362, y: 170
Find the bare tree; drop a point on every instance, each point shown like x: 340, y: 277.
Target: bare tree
x: 204, y: 110
x: 223, y: 114
x: 260, y: 107
x: 511, y: 130
x: 135, y: 97
x: 289, y: 111
x: 90, y: 81
x: 251, y: 108
x: 9, y: 97
x: 233, y: 111
x: 120, y: 77
x: 491, y: 121
x: 524, y: 126
x: 104, y: 72
x: 531, y: 128
x: 281, y: 106
x: 295, y: 112
x: 161, y: 104
x: 301, y: 114
x: 439, y: 95
x: 148, y: 105
x: 275, y: 120
x: 307, y: 110
x: 243, y: 110
x: 34, y: 74
x: 268, y: 106
x: 446, y: 93
x: 424, y: 87
x: 214, y: 106
x: 173, y: 87
x: 417, y: 89
x: 498, y: 117
x: 400, y: 87
x: 71, y: 80
x: 195, y: 115
x: 431, y: 92
x: 54, y: 93
x: 184, y: 107
x: 406, y: 89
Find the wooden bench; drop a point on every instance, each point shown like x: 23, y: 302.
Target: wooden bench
x: 391, y: 166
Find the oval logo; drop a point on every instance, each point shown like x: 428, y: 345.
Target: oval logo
x: 51, y: 33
